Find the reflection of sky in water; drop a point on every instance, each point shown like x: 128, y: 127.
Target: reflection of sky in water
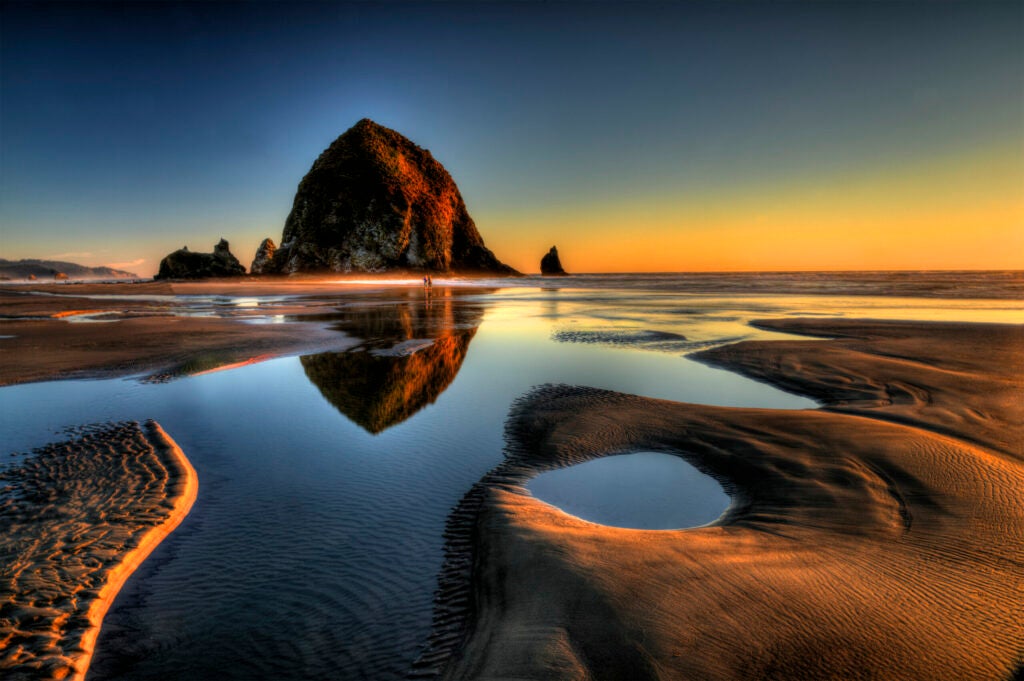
x: 645, y: 490
x: 92, y: 317
x: 268, y: 319
x: 705, y: 316
x: 313, y: 549
x: 509, y: 355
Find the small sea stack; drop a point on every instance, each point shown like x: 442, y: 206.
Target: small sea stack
x: 264, y: 257
x: 184, y: 264
x: 550, y: 265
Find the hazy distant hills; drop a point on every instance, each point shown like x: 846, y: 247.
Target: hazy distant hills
x: 49, y: 269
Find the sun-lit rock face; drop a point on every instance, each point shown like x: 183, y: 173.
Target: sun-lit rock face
x: 261, y: 264
x: 374, y: 201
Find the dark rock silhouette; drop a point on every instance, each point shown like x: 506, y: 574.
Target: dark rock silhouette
x: 374, y: 201
x: 550, y: 264
x: 184, y: 264
x: 261, y: 264
x: 414, y: 356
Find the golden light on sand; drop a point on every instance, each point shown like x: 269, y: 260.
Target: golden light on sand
x: 376, y: 282
x: 121, y: 491
x: 235, y: 365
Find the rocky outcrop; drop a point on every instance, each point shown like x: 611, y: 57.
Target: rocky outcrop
x: 261, y: 264
x: 374, y: 201
x: 184, y: 264
x: 550, y: 264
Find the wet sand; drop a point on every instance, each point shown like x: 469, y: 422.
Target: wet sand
x: 877, y: 537
x: 153, y: 337
x: 297, y: 285
x: 76, y: 519
x: 158, y: 348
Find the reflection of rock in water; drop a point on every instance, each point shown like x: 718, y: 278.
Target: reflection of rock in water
x: 378, y: 389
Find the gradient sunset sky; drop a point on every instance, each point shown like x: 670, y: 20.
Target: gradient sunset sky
x: 635, y: 136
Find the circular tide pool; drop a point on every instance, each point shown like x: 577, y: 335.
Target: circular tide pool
x: 645, y: 490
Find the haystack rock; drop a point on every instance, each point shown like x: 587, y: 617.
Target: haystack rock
x: 184, y: 264
x: 374, y: 201
x: 550, y: 264
x: 264, y: 257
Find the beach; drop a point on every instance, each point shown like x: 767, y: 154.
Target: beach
x: 376, y: 440
x: 465, y: 341
x: 78, y: 517
x: 876, y: 538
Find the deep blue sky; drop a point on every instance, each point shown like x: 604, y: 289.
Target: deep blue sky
x: 127, y: 130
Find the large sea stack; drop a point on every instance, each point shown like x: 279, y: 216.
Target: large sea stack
x: 373, y: 202
x: 185, y: 264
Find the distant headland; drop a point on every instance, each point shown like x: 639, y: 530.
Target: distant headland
x: 57, y: 270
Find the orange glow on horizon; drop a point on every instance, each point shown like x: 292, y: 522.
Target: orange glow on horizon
x: 962, y: 212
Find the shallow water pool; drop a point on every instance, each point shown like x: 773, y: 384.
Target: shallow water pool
x: 645, y: 491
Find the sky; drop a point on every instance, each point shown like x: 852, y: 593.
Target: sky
x: 634, y: 136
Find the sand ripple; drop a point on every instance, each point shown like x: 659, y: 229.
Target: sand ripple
x: 878, y: 539
x: 76, y: 518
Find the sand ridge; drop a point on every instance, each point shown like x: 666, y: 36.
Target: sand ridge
x: 964, y: 380
x: 867, y: 540
x: 77, y: 518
